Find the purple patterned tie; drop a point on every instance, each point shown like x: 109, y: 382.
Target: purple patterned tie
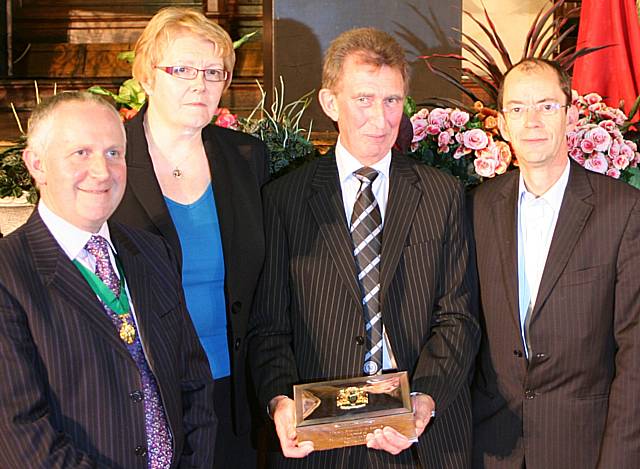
x: 158, y: 434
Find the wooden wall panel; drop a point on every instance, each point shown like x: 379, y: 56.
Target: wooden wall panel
x: 74, y: 44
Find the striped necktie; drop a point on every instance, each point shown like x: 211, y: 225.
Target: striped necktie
x: 366, y: 233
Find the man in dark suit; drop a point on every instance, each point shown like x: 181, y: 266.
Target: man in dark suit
x: 99, y: 360
x: 320, y: 315
x: 558, y: 250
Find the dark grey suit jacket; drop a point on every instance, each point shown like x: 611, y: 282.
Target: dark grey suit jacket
x: 239, y: 167
x: 574, y: 403
x: 68, y: 386
x: 308, y: 324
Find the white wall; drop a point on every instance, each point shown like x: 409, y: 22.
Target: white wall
x: 512, y: 19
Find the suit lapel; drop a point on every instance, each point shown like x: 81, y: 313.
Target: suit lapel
x: 573, y: 216
x: 404, y: 196
x: 60, y: 274
x: 146, y: 187
x: 221, y: 180
x: 505, y: 214
x: 327, y: 207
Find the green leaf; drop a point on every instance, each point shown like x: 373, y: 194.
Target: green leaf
x: 244, y: 39
x: 127, y: 56
x: 409, y: 106
x: 634, y: 178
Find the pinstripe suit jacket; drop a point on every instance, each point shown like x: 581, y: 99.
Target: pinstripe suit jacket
x: 307, y: 323
x: 67, y: 380
x: 574, y: 403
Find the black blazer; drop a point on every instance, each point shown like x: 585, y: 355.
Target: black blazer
x: 308, y: 323
x: 68, y: 386
x: 574, y: 402
x: 239, y: 166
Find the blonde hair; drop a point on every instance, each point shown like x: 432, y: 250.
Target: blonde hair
x: 372, y: 46
x: 41, y: 117
x: 170, y: 21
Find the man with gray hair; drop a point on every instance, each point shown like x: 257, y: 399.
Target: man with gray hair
x: 366, y: 271
x: 99, y: 360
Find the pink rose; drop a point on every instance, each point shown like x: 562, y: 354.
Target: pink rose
x: 614, y: 149
x: 573, y: 139
x: 631, y: 145
x: 475, y: 139
x: 574, y: 96
x: 587, y: 145
x: 444, y: 149
x: 597, y: 163
x: 459, y: 118
x: 433, y: 129
x: 592, y: 98
x: 613, y: 172
x: 600, y: 137
x: 444, y: 139
x: 608, y: 125
x: 597, y: 107
x: 460, y: 152
x: 577, y: 155
x: 620, y: 162
x: 224, y: 118
x: 485, y: 167
x: 419, y: 128
x: 439, y: 117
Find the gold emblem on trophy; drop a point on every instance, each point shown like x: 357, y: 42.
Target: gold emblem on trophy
x: 352, y: 398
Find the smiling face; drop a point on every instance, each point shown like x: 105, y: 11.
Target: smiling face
x: 188, y: 104
x: 367, y: 105
x: 80, y: 168
x: 538, y: 140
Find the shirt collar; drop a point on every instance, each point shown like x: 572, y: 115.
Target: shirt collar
x: 71, y: 239
x: 347, y: 163
x: 554, y: 194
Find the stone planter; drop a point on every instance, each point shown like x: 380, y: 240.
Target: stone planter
x: 13, y: 213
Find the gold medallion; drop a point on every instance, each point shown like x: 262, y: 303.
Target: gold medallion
x: 127, y: 331
x: 352, y: 398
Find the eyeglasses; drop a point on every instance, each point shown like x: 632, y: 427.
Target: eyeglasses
x: 189, y: 73
x: 546, y: 108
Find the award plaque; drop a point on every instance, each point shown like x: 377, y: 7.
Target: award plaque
x: 334, y: 414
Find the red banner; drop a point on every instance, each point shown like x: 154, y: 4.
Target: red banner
x: 614, y: 72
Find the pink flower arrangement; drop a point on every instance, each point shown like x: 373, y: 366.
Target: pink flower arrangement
x: 465, y: 145
x: 597, y: 141
x: 224, y: 118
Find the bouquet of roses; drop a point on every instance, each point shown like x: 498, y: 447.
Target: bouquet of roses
x: 463, y: 144
x: 598, y: 142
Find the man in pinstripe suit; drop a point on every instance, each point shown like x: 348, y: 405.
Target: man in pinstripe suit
x: 558, y: 251
x: 105, y: 372
x: 308, y: 322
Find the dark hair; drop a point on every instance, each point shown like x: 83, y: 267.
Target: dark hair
x: 533, y: 63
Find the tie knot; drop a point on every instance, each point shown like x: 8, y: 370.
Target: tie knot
x: 98, y: 247
x: 366, y: 174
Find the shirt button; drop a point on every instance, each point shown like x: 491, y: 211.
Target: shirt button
x: 517, y: 353
x: 236, y: 307
x: 359, y: 340
x: 541, y: 356
x: 238, y: 342
x: 529, y: 394
x: 136, y: 396
x: 141, y: 451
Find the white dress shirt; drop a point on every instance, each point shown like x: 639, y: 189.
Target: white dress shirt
x: 72, y: 240
x: 350, y: 185
x: 537, y: 218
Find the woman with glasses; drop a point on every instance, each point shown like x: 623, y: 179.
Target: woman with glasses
x: 198, y: 186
